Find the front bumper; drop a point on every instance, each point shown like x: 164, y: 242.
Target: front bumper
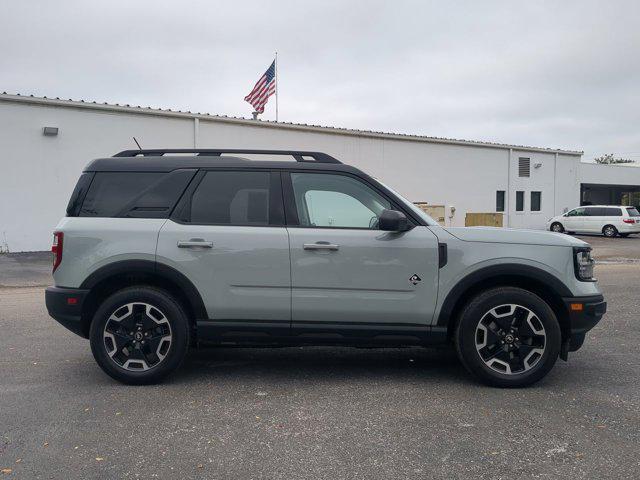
x: 584, y: 314
x: 65, y: 306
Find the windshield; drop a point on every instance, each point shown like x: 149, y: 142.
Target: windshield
x: 415, y: 210
x: 633, y: 212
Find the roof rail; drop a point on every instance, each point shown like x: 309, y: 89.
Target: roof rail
x: 299, y: 156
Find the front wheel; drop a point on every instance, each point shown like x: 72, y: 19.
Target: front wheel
x: 139, y: 335
x: 557, y: 227
x: 508, y: 337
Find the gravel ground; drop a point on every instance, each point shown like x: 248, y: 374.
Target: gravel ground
x: 319, y: 412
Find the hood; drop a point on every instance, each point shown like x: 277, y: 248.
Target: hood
x: 511, y: 235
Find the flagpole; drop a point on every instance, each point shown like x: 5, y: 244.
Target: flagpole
x: 276, y: 62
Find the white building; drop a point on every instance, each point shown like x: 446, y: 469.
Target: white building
x: 39, y: 167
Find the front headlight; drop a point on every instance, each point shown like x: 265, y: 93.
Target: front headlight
x: 583, y: 263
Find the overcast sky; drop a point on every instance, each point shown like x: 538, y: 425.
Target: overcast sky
x: 560, y: 74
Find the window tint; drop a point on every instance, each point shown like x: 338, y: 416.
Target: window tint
x: 536, y: 200
x: 75, y: 202
x: 633, y: 212
x: 592, y: 212
x: 611, y: 212
x: 327, y: 200
x: 519, y: 201
x: 111, y: 191
x: 232, y: 198
x: 500, y: 201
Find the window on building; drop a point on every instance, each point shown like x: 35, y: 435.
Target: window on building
x: 500, y: 201
x: 519, y: 201
x: 524, y: 167
x: 536, y: 200
x: 232, y: 198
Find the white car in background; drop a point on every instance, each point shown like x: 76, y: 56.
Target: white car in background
x: 610, y: 220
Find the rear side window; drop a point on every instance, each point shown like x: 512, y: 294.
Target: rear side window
x: 593, y: 212
x: 633, y: 212
x: 611, y: 212
x: 134, y: 194
x: 232, y: 198
x: 75, y: 202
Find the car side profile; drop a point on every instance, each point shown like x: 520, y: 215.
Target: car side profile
x: 608, y: 220
x: 165, y: 250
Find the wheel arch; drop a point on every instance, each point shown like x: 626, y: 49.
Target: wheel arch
x: 118, y: 275
x: 545, y: 285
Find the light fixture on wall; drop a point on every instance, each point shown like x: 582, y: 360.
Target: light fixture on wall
x: 50, y: 131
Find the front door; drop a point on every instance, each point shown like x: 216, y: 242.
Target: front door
x: 574, y: 220
x: 228, y: 237
x: 344, y: 269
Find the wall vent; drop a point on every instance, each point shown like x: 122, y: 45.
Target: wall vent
x: 524, y: 167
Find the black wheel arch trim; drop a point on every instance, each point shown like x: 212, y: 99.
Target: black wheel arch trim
x: 149, y: 267
x: 496, y: 271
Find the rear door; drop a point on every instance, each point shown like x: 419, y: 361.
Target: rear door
x: 593, y: 220
x: 345, y: 271
x: 228, y: 237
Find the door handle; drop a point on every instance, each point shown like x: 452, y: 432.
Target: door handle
x: 194, y: 243
x: 321, y: 246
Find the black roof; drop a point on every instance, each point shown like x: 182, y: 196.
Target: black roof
x: 163, y: 161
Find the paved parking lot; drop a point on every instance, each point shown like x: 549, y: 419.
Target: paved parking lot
x: 320, y: 412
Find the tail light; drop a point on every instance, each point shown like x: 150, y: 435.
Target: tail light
x: 628, y: 220
x: 56, y: 249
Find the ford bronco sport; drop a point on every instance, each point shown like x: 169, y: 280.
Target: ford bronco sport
x: 160, y: 252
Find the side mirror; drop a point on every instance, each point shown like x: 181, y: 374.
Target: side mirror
x: 393, y: 221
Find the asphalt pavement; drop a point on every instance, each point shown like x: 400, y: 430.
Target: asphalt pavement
x: 320, y: 412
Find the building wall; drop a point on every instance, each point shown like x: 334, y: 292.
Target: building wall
x: 38, y: 172
x: 609, y: 174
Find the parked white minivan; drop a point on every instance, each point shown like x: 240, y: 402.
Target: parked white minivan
x: 610, y: 220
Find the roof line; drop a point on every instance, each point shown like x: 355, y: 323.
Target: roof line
x: 92, y: 105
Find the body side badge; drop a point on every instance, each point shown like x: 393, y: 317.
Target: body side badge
x: 415, y: 279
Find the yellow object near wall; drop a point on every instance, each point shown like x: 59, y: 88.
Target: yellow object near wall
x: 483, y: 220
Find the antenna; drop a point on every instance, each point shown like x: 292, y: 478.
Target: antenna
x: 139, y: 147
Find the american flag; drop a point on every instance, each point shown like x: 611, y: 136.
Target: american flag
x: 265, y: 87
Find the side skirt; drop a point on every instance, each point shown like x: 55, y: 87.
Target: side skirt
x: 274, y: 333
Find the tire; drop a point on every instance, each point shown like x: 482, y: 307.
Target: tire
x: 487, y: 319
x: 139, y: 335
x: 609, y: 231
x: 557, y: 227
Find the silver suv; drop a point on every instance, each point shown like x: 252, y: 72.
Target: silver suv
x: 160, y: 252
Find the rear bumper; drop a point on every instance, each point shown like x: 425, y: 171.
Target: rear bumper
x: 65, y: 306
x: 584, y: 314
x: 629, y: 228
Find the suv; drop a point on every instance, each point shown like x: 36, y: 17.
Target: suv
x: 610, y: 220
x: 161, y: 252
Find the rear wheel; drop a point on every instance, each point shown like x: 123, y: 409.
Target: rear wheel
x: 609, y: 231
x: 557, y: 227
x: 139, y: 335
x: 508, y: 337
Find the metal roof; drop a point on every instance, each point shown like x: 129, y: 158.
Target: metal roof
x: 136, y: 109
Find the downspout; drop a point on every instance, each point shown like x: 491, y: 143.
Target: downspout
x: 555, y: 184
x: 507, y: 207
x: 196, y: 131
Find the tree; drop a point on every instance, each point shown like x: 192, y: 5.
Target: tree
x: 608, y: 159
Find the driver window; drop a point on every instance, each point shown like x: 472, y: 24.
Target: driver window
x: 340, y: 201
x: 578, y: 212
